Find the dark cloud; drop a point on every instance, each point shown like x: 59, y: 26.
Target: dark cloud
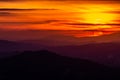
x: 14, y: 0
x: 4, y: 13
x: 88, y: 24
x: 116, y: 21
x: 15, y: 9
x: 28, y: 23
x: 78, y: 24
x: 114, y: 12
x: 58, y: 0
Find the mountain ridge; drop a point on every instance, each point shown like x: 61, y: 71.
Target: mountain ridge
x: 48, y: 66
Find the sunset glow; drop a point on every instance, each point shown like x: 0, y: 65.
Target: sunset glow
x: 61, y: 15
x: 59, y: 39
x: 98, y: 17
x: 98, y: 14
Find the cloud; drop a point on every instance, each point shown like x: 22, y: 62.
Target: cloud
x: 4, y: 13
x: 58, y: 0
x: 15, y: 9
x: 114, y: 12
x: 88, y: 25
x: 10, y: 0
x: 12, y: 11
x: 77, y: 24
x: 28, y: 23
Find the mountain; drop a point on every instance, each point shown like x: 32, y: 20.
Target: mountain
x: 8, y: 47
x: 45, y: 65
x: 51, y: 42
x: 6, y: 42
x: 107, y: 53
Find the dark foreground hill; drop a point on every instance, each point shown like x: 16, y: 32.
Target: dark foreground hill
x: 45, y: 65
x: 105, y: 53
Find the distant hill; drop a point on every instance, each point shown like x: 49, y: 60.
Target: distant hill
x: 45, y: 65
x: 12, y: 46
x: 6, y: 45
x: 108, y: 53
x: 6, y: 42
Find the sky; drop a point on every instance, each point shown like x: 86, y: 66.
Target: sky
x: 79, y: 18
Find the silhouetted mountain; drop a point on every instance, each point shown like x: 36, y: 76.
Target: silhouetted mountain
x: 108, y: 53
x: 45, y: 65
x: 6, y: 45
x: 51, y: 42
x: 10, y: 46
x: 6, y: 42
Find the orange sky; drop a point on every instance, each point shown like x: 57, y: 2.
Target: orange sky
x: 60, y: 15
